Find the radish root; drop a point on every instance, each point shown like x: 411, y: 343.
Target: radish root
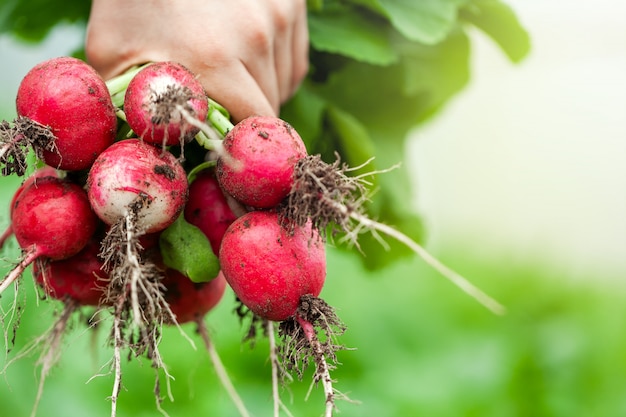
x: 17, y: 140
x: 50, y: 344
x: 327, y: 195
x: 277, y: 371
x: 301, y: 345
x: 220, y: 370
x: 136, y: 292
x: 52, y: 348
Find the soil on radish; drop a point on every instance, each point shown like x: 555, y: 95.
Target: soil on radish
x: 296, y: 350
x: 324, y: 194
x: 19, y: 138
x: 166, y: 103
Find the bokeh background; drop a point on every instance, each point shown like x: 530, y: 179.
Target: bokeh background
x: 521, y: 181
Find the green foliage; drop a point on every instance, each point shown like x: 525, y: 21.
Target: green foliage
x: 342, y: 32
x: 379, y: 68
x: 498, y: 21
x: 186, y: 248
x: 425, y: 21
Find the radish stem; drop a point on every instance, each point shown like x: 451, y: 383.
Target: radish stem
x: 51, y: 350
x: 322, y: 372
x: 8, y: 232
x: 274, y: 364
x: 29, y: 257
x: 117, y: 85
x: 220, y: 370
x: 219, y: 120
x: 433, y: 262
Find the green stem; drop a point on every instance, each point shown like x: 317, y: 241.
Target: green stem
x: 219, y: 118
x: 120, y: 113
x: 218, y: 106
x: 200, y: 167
x: 118, y: 84
x: 118, y: 99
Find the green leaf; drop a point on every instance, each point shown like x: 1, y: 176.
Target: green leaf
x: 500, y: 23
x: 437, y: 72
x: 399, y: 96
x: 32, y: 20
x: 425, y: 21
x: 355, y: 35
x: 314, y: 5
x: 392, y: 204
x: 185, y: 248
x: 377, y: 256
x: 354, y: 141
x: 304, y: 112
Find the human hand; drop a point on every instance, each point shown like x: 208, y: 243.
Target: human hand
x: 250, y: 55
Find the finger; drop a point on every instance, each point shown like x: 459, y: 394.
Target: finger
x: 284, y: 17
x: 108, y: 50
x: 258, y: 59
x: 238, y: 91
x: 299, y: 49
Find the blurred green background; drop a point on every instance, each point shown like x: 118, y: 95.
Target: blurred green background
x: 521, y: 183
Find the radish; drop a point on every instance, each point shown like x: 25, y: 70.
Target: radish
x: 191, y: 301
x: 270, y: 269
x: 44, y: 171
x: 132, y: 171
x: 207, y: 208
x: 266, y: 150
x: 159, y: 98
x: 52, y: 219
x: 136, y: 189
x: 65, y: 112
x: 79, y: 277
x: 331, y: 197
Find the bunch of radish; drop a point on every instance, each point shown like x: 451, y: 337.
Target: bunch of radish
x: 145, y: 201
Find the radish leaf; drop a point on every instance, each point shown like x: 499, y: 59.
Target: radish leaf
x: 185, y: 248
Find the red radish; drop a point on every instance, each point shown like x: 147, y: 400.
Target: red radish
x: 268, y: 268
x: 79, y: 277
x: 267, y: 149
x: 45, y: 171
x: 189, y: 301
x: 154, y: 99
x: 68, y: 96
x: 208, y: 209
x: 52, y: 219
x: 131, y: 169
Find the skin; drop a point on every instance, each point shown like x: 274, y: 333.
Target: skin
x: 250, y: 55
